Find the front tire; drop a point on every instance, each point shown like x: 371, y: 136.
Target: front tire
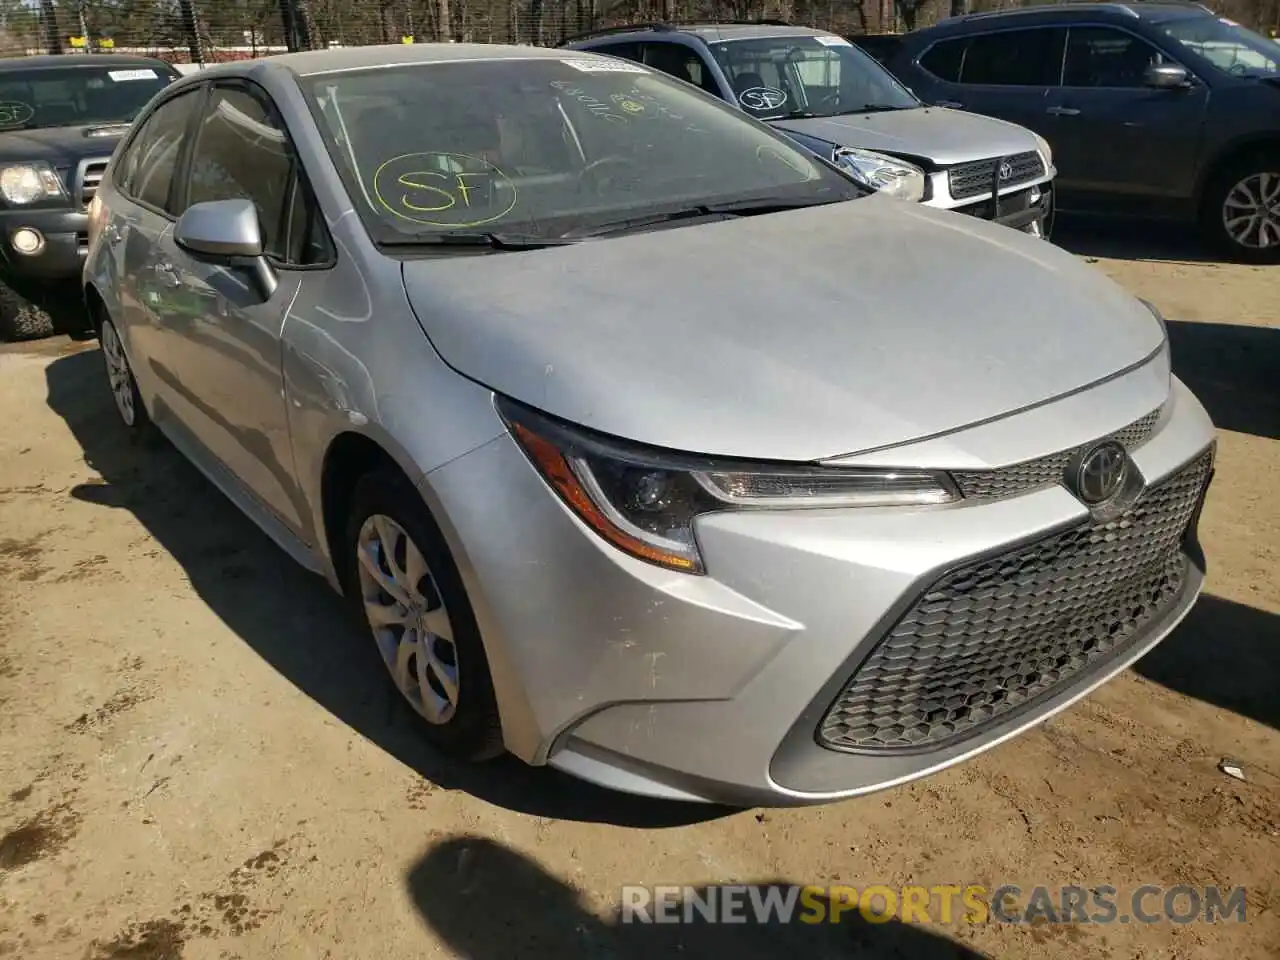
x: 20, y: 319
x: 1241, y: 215
x: 402, y: 578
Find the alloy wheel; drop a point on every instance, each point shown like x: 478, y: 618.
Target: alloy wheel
x: 1251, y: 211
x: 408, y: 618
x: 118, y: 374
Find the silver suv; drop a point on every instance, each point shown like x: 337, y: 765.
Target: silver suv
x: 840, y: 103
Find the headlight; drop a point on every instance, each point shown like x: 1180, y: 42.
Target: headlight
x: 1046, y: 152
x: 645, y: 501
x: 886, y: 174
x: 28, y: 182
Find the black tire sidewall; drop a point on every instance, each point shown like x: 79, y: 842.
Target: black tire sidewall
x: 1216, y: 194
x: 474, y: 732
x: 20, y: 319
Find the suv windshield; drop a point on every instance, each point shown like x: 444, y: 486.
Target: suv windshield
x: 77, y: 96
x: 548, y: 148
x: 1226, y: 45
x: 822, y: 76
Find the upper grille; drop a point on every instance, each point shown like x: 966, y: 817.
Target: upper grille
x: 995, y: 635
x: 1043, y: 471
x: 976, y: 177
x: 90, y: 177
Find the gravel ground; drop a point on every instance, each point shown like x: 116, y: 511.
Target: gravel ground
x: 201, y: 759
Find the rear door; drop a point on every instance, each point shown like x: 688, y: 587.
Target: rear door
x: 1010, y: 74
x: 1111, y: 125
x: 145, y: 176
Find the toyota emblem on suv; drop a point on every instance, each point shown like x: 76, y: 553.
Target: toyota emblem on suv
x: 1101, y: 473
x: 1006, y: 170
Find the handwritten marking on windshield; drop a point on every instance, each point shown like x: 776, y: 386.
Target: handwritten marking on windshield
x: 762, y: 98
x: 594, y: 105
x: 440, y: 189
x: 14, y: 113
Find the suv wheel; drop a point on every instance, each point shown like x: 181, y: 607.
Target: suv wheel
x: 1242, y: 209
x: 409, y: 592
x: 20, y: 319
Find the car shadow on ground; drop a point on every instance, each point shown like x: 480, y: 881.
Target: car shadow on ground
x: 291, y: 618
x: 488, y: 902
x: 1115, y: 238
x: 1235, y: 371
x: 1226, y: 654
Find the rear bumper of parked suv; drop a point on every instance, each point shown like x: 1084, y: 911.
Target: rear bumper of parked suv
x: 826, y: 653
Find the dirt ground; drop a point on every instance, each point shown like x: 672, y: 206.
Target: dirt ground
x: 199, y: 756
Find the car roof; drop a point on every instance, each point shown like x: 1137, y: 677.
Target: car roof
x: 45, y: 61
x: 1149, y: 10
x: 709, y: 31
x: 311, y: 62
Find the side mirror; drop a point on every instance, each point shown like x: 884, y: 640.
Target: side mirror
x: 1167, y: 76
x: 228, y: 231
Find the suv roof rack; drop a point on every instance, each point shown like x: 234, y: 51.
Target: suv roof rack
x: 670, y: 25
x: 621, y: 28
x: 1124, y: 8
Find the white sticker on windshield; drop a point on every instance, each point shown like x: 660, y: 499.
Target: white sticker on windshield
x: 833, y: 41
x: 119, y: 76
x: 604, y: 66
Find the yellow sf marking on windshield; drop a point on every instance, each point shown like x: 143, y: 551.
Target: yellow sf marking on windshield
x: 414, y: 192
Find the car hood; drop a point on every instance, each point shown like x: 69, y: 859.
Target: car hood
x: 792, y: 336
x: 61, y: 145
x: 929, y: 133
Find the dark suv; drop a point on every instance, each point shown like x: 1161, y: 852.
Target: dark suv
x: 1154, y: 109
x: 60, y: 119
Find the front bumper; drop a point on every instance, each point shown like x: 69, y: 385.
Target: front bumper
x: 714, y: 688
x: 1028, y: 207
x: 66, y: 243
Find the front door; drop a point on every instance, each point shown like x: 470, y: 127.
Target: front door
x: 1112, y: 127
x: 229, y: 373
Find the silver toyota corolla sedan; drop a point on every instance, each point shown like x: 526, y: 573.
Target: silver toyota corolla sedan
x: 648, y: 444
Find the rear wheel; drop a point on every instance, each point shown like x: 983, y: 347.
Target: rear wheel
x: 409, y: 592
x: 20, y: 319
x: 1241, y: 213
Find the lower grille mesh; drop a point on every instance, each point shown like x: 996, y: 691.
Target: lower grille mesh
x: 996, y: 634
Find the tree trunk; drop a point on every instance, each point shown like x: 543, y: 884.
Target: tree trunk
x: 444, y: 22
x: 959, y: 8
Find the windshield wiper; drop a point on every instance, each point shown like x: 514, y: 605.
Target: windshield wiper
x: 747, y: 208
x: 871, y: 108
x: 646, y: 220
x: 496, y: 241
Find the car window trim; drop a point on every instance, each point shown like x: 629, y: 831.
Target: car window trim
x: 200, y: 90
x: 968, y: 38
x: 297, y: 167
x: 1093, y: 25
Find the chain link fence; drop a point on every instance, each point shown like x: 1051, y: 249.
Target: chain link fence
x: 208, y: 31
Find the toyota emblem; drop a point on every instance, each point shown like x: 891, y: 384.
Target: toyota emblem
x: 1101, y: 473
x: 1006, y: 170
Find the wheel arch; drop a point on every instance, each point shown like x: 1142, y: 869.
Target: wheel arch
x: 1231, y: 153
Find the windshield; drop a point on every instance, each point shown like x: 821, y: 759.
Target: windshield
x: 821, y: 76
x: 77, y: 96
x: 1226, y: 45
x: 547, y: 148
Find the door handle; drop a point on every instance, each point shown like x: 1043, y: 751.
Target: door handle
x: 953, y: 104
x: 1063, y: 111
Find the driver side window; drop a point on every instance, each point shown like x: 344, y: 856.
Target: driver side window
x: 680, y: 62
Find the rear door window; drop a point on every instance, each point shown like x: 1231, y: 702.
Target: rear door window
x: 1014, y: 58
